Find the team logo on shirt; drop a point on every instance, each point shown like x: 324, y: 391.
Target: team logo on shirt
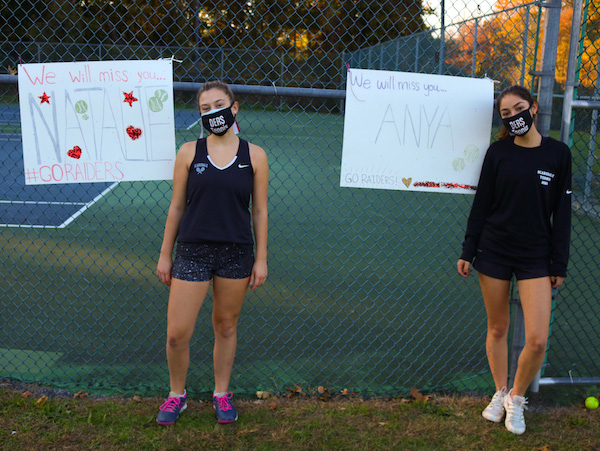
x: 545, y: 177
x: 200, y: 167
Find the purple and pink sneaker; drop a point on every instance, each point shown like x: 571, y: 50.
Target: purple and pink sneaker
x: 169, y: 411
x: 226, y: 413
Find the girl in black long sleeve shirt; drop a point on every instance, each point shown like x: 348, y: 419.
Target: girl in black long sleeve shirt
x: 519, y: 224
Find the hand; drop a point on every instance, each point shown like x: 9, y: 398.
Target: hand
x: 463, y: 267
x: 164, y: 269
x: 556, y: 281
x: 258, y: 275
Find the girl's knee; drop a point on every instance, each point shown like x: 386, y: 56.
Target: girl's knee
x: 537, y: 345
x: 498, y: 331
x: 225, y: 328
x: 177, y: 339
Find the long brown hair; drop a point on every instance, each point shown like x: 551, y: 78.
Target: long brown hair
x: 215, y: 84
x: 519, y: 91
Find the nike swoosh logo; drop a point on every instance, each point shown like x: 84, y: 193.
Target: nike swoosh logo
x: 242, y: 166
x: 569, y: 191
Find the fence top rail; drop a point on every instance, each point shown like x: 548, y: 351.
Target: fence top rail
x: 271, y: 90
x: 243, y: 89
x: 586, y: 104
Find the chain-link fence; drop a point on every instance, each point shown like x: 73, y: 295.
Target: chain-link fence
x: 362, y: 292
x: 574, y: 344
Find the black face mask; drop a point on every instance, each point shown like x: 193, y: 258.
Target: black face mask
x: 519, y: 124
x: 218, y: 121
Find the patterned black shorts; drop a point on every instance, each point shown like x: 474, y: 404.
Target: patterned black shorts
x: 199, y: 262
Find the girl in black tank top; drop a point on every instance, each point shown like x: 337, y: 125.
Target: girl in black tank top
x: 219, y: 198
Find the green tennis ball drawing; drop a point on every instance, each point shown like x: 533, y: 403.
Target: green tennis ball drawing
x: 458, y: 164
x: 161, y: 95
x: 85, y: 117
x: 471, y: 153
x: 81, y: 107
x: 155, y: 104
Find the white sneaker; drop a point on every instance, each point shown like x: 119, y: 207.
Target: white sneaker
x: 514, y: 405
x: 495, y: 409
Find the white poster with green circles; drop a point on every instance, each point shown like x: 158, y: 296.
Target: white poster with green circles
x: 98, y: 121
x: 418, y: 132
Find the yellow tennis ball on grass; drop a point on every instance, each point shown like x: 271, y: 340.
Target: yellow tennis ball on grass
x: 591, y: 403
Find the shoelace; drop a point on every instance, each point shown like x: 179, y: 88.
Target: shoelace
x: 498, y: 398
x: 224, y: 403
x: 516, y: 409
x: 170, y: 405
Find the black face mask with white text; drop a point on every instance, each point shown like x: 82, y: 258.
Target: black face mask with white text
x: 218, y: 121
x: 519, y: 124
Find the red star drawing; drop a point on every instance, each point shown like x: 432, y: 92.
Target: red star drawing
x: 129, y: 98
x: 45, y: 98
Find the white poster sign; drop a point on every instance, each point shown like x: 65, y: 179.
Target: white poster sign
x: 97, y: 121
x: 420, y: 132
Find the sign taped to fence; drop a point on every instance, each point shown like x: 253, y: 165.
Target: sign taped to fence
x: 97, y: 121
x: 418, y: 132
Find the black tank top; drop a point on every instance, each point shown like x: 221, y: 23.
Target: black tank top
x: 218, y: 199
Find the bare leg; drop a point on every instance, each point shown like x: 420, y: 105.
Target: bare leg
x: 228, y: 295
x: 536, y: 299
x: 185, y: 300
x: 495, y: 296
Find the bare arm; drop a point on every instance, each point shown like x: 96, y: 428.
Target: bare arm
x: 184, y: 159
x: 260, y: 217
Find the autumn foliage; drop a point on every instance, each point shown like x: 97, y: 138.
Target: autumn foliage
x: 507, y: 45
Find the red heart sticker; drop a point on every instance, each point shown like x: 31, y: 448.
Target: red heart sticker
x: 75, y: 152
x: 134, y: 133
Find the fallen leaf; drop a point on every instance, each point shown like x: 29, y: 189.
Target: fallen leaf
x: 321, y: 389
x: 26, y: 394
x: 272, y: 406
x: 415, y: 393
x: 136, y: 398
x: 80, y: 394
x: 12, y: 71
x: 40, y: 402
x: 344, y: 391
x: 297, y: 390
x: 263, y: 394
x: 382, y: 423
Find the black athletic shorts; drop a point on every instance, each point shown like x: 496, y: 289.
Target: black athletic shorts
x: 503, y: 270
x: 199, y: 262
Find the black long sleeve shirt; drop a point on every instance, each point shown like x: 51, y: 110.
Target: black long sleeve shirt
x: 522, y: 207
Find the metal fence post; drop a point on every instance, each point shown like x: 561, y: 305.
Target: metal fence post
x: 546, y: 87
x: 570, y: 83
x: 518, y: 339
x: 474, y: 69
x: 549, y: 51
x: 525, y: 39
x: 442, y: 38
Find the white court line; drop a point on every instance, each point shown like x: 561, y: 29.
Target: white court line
x: 194, y: 124
x: 38, y: 202
x: 84, y: 207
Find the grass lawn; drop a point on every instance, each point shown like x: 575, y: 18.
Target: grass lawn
x: 557, y: 420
